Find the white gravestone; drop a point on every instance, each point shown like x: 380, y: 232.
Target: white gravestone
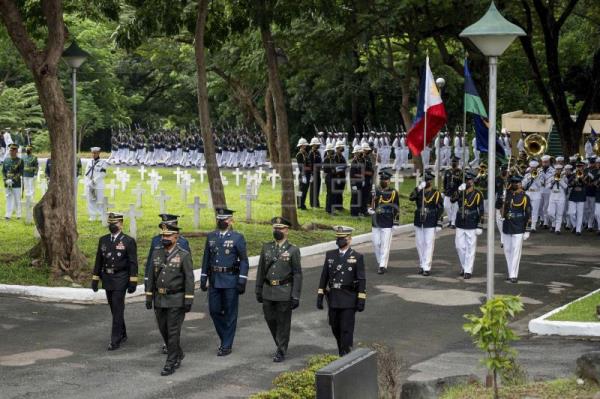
x: 197, y: 206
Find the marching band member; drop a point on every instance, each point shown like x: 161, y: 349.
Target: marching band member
x: 576, y: 198
x: 558, y: 186
x: 533, y: 182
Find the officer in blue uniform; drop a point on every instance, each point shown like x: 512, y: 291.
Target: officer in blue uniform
x: 225, y: 266
x: 166, y: 220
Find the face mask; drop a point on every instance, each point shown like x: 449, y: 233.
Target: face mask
x: 278, y: 235
x: 28, y: 152
x: 222, y: 224
x: 166, y: 243
x: 341, y: 242
x: 113, y: 228
x: 384, y: 183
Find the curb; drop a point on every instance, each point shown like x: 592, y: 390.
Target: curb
x: 87, y: 296
x: 541, y: 326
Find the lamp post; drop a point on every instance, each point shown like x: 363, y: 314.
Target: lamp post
x: 492, y: 35
x: 74, y: 56
x: 440, y: 83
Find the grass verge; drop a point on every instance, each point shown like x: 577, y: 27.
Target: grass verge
x: 582, y: 310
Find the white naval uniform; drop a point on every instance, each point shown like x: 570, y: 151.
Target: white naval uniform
x: 94, y: 179
x: 556, y: 205
x: 534, y: 191
x: 547, y: 176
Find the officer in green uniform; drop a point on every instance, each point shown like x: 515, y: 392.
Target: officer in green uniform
x: 278, y: 284
x: 170, y: 288
x: 30, y: 169
x: 12, y: 172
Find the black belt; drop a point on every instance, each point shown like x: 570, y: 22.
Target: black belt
x: 229, y: 269
x: 166, y: 291
x: 339, y: 286
x: 111, y: 270
x: 274, y: 283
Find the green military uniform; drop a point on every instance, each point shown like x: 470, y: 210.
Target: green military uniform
x: 30, y: 169
x: 170, y: 288
x: 278, y: 286
x: 12, y: 172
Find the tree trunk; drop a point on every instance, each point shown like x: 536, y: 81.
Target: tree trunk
x: 212, y: 169
x: 284, y: 166
x: 53, y: 215
x: 270, y: 129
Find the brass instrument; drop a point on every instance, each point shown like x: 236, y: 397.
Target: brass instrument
x: 534, y: 173
x: 557, y: 175
x: 596, y: 147
x: 535, y: 145
x: 579, y: 174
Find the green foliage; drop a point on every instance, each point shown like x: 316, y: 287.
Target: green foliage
x: 19, y: 107
x: 41, y: 141
x: 581, y: 310
x: 298, y: 384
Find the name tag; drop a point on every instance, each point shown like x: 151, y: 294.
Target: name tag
x: 120, y: 246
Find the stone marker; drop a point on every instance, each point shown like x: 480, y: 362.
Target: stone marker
x: 132, y: 214
x: 237, y: 174
x: 162, y: 200
x: 273, y: 177
x: 249, y: 197
x: 178, y: 172
x: 112, y: 187
x: 196, y: 206
x: 106, y: 207
x: 139, y: 192
x: 28, y: 210
x: 201, y: 172
x: 142, y: 171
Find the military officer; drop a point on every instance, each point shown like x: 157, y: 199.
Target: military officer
x: 305, y: 169
x: 577, y: 197
x: 116, y: 265
x: 278, y: 284
x: 30, y: 170
x: 315, y: 160
x: 225, y: 266
x: 369, y: 162
x: 516, y: 215
x: 533, y: 183
x: 94, y: 178
x: 12, y: 172
x: 339, y: 177
x: 468, y: 223
x: 385, y: 211
x: 428, y: 212
x: 452, y: 179
x: 170, y: 289
x: 328, y: 171
x: 357, y: 180
x: 558, y: 186
x: 343, y: 282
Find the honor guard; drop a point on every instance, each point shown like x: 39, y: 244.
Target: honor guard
x: 370, y: 161
x: 315, y: 161
x: 94, y: 183
x: 278, y: 284
x: 357, y: 180
x: 533, y: 183
x: 30, y: 170
x: 329, y: 171
x: 547, y: 172
x: 515, y: 226
x: 452, y: 179
x: 339, y: 177
x: 305, y: 169
x: 116, y: 265
x: 170, y: 289
x: 343, y: 282
x: 558, y: 186
x: 428, y: 212
x: 12, y: 172
x: 225, y: 266
x: 468, y: 223
x: 385, y: 213
x: 577, y: 197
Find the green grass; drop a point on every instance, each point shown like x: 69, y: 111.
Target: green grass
x: 583, y: 310
x: 15, y: 266
x: 556, y: 389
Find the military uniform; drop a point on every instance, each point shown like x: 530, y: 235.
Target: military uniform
x: 225, y: 266
x: 339, y: 177
x: 94, y: 177
x: 343, y: 282
x: 577, y: 198
x: 170, y: 289
x: 278, y: 286
x: 12, y: 172
x: 30, y: 170
x: 315, y: 161
x: 357, y: 180
x: 116, y: 266
x: 329, y: 171
x: 452, y: 179
x: 305, y: 168
x: 367, y: 189
x: 385, y: 209
x: 517, y: 217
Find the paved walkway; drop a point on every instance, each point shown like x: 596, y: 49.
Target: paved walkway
x: 50, y: 350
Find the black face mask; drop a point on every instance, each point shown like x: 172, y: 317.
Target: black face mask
x: 278, y: 235
x: 222, y: 224
x: 383, y: 183
x: 166, y: 243
x: 113, y: 228
x: 341, y: 242
x: 28, y: 152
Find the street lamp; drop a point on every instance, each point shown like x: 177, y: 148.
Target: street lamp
x: 440, y: 83
x: 492, y: 35
x: 74, y: 56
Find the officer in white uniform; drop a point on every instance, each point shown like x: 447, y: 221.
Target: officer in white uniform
x: 533, y: 183
x: 557, y: 185
x: 94, y: 184
x: 547, y: 173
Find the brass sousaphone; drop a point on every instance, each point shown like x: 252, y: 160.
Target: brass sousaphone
x: 535, y: 145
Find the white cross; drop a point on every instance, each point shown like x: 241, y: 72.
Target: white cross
x: 123, y: 179
x: 398, y: 179
x: 28, y: 210
x: 117, y: 171
x: 162, y: 200
x: 142, y: 171
x: 209, y: 196
x: 132, y: 214
x: 201, y: 172
x: 139, y: 192
x: 273, y: 176
x: 237, y: 174
x: 43, y: 186
x: 224, y: 180
x: 196, y: 206
x: 178, y: 172
x: 249, y: 197
x: 248, y: 176
x: 155, y: 178
x: 112, y: 187
x: 106, y: 206
x: 260, y: 172
x: 296, y: 174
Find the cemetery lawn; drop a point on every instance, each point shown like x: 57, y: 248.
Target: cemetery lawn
x: 582, y: 310
x: 16, y: 267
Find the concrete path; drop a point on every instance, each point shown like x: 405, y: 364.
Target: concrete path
x: 50, y: 350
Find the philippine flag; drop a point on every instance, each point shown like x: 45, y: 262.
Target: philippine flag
x: 431, y: 114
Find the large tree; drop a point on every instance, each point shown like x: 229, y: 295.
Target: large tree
x: 54, y: 216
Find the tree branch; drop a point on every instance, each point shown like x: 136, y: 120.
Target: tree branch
x: 11, y: 17
x: 53, y: 12
x: 566, y: 12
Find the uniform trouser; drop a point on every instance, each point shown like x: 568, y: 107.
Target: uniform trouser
x: 28, y: 186
x: 398, y: 160
x: 315, y: 189
x: 278, y: 315
x: 342, y: 326
x: 303, y: 191
x: 544, y: 207
x: 536, y: 201
x: 382, y: 240
x: 170, y: 321
x: 116, y: 301
x: 575, y: 213
x: 466, y: 245
x: 223, y: 308
x: 339, y: 184
x: 451, y: 209
x: 95, y: 205
x: 13, y: 201
x: 555, y: 211
x: 597, y: 214
x: 330, y: 194
x: 425, y: 240
x: 513, y: 244
x: 366, y: 196
x: 356, y: 200
x: 499, y: 224
x: 590, y: 204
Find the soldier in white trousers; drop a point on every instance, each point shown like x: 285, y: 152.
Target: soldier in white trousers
x: 557, y: 185
x: 516, y: 215
x: 533, y: 184
x: 12, y: 172
x: 94, y: 184
x: 547, y: 173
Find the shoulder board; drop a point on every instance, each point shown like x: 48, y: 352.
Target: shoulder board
x: 182, y: 250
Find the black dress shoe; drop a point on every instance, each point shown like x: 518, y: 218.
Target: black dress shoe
x: 123, y: 339
x: 462, y: 273
x: 381, y: 270
x: 178, y: 362
x: 420, y: 271
x: 577, y: 234
x: 164, y: 349
x: 467, y: 276
x: 557, y: 232
x: 167, y: 370
x: 224, y: 351
x: 279, y: 357
x: 514, y: 280
x: 113, y: 347
x: 427, y: 273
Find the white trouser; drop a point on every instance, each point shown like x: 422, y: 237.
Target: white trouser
x: 425, y: 240
x: 575, y: 213
x: 94, y: 204
x: 382, y: 239
x: 555, y: 211
x: 398, y: 159
x: 475, y: 160
x: 466, y: 245
x: 425, y: 154
x: 544, y: 207
x: 451, y: 209
x: 590, y: 206
x: 28, y: 186
x: 513, y: 243
x: 536, y: 200
x: 499, y: 224
x: 597, y: 214
x: 13, y: 201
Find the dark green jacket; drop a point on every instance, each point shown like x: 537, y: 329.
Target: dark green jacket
x: 276, y: 265
x: 30, y: 165
x: 12, y: 169
x: 171, y: 280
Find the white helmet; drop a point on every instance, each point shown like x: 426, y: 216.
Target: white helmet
x: 356, y: 149
x: 504, y: 130
x: 339, y: 144
x: 315, y: 141
x: 366, y: 147
x: 302, y: 142
x: 329, y: 147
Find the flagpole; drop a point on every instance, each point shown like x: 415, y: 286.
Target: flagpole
x: 465, y: 133
x: 424, y: 136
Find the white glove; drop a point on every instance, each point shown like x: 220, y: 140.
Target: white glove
x: 371, y: 211
x: 303, y: 179
x: 438, y: 229
x: 311, y: 179
x: 526, y: 236
x: 478, y: 232
x: 421, y: 186
x: 462, y: 187
x: 354, y: 188
x: 9, y: 182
